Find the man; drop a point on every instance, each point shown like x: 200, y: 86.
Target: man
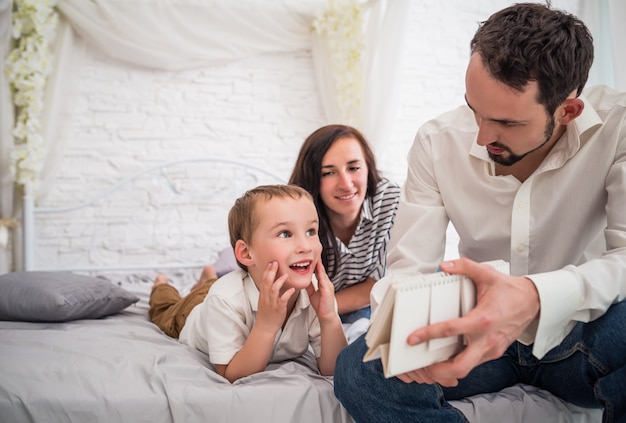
x: 532, y: 172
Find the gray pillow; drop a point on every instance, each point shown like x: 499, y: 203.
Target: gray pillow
x: 59, y: 297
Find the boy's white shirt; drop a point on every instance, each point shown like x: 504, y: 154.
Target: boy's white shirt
x: 220, y: 325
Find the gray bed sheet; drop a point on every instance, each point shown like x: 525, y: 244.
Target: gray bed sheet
x: 123, y: 369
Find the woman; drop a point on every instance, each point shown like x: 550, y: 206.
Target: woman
x: 356, y: 208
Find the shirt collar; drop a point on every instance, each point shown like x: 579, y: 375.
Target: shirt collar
x: 366, y: 211
x: 578, y: 132
x: 587, y: 123
x: 479, y: 151
x: 252, y: 292
x: 366, y: 214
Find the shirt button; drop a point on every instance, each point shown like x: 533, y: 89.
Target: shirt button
x: 520, y: 248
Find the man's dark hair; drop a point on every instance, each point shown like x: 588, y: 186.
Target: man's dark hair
x: 533, y: 42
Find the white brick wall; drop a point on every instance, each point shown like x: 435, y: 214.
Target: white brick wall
x: 259, y: 110
x: 127, y: 117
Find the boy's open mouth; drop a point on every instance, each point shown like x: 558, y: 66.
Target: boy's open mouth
x: 301, y: 267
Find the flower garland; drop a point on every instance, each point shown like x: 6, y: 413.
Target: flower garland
x: 27, y: 67
x: 342, y: 24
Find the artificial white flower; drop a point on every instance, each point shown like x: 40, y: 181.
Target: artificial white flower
x: 27, y: 67
x: 341, y: 22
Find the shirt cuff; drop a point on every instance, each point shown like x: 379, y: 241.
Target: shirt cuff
x: 560, y: 295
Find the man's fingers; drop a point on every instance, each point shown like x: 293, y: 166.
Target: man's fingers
x: 448, y: 373
x: 424, y: 375
x: 462, y: 266
x: 444, y: 329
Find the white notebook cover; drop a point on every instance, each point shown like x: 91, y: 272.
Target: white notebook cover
x: 414, y: 301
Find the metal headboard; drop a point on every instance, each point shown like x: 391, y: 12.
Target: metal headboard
x: 174, y: 218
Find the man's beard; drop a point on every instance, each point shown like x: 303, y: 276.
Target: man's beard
x: 512, y: 158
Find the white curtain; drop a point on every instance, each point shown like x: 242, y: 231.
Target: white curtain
x: 58, y: 103
x: 186, y: 34
x: 384, y: 40
x: 606, y: 20
x: 384, y: 35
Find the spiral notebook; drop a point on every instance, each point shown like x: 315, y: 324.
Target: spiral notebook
x: 414, y: 301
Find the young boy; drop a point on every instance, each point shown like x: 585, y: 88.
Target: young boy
x: 269, y: 310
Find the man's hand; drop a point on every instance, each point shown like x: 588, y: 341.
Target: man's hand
x: 505, y: 306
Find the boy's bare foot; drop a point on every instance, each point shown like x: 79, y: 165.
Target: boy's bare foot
x: 208, y: 273
x: 160, y: 280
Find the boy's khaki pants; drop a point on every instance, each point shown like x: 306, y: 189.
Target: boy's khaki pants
x: 169, y: 311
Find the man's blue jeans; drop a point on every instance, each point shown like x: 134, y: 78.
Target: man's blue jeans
x: 587, y: 369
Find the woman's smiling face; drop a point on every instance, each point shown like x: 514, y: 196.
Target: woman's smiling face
x: 343, y: 184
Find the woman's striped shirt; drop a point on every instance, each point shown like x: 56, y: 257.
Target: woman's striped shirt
x: 366, y: 255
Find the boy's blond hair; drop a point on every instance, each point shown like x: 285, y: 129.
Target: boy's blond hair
x: 242, y: 218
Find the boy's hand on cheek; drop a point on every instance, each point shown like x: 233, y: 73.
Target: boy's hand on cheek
x: 322, y: 299
x: 272, y: 306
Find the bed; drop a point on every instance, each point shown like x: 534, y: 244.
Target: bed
x: 93, y: 355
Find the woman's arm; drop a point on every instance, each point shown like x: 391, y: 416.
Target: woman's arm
x: 354, y: 297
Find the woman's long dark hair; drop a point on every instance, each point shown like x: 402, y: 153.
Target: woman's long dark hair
x: 307, y: 173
